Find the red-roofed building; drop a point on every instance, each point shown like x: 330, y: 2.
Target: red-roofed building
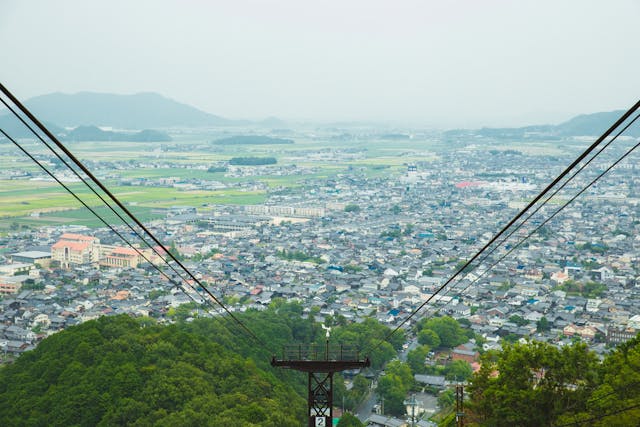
x: 75, y: 249
x: 469, y: 184
x: 78, y: 237
x: 466, y: 353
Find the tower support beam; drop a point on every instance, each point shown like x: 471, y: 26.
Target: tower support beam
x: 320, y: 364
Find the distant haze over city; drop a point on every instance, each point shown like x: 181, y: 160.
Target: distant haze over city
x: 151, y: 110
x: 434, y: 64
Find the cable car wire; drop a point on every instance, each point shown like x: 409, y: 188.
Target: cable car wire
x: 111, y: 196
x: 503, y: 230
x: 114, y: 230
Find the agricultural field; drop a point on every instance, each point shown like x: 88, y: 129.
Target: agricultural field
x: 30, y: 198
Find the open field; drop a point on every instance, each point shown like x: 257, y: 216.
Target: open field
x: 36, y: 202
x: 83, y: 216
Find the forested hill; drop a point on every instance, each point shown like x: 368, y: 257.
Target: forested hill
x: 537, y: 384
x: 124, y: 371
x: 208, y: 372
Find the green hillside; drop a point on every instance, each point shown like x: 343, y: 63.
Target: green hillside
x: 124, y: 371
x: 536, y: 384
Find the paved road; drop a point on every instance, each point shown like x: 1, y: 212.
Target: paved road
x: 366, y: 407
x: 402, y: 355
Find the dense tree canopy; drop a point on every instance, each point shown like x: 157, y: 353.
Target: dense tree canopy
x: 615, y: 401
x: 531, y: 384
x: 394, y: 386
x: 416, y: 359
x: 448, y: 330
x: 458, y: 370
x: 125, y: 371
x: 122, y: 371
x: 349, y: 420
x: 252, y: 161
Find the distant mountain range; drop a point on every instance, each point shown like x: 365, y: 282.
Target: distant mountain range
x: 154, y: 111
x: 138, y: 111
x: 594, y: 125
x: 85, y: 111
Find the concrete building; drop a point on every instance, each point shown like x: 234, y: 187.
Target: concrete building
x: 75, y: 249
x: 32, y: 257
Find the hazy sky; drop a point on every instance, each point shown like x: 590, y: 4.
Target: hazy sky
x: 434, y: 63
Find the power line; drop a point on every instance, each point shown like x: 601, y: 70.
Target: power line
x: 553, y: 194
x: 599, y: 417
x: 112, y: 228
x: 560, y: 209
x: 107, y: 204
x: 84, y: 181
x: 604, y: 396
x: 88, y: 173
x: 559, y: 178
x: 535, y: 230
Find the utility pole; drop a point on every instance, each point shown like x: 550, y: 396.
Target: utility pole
x: 320, y: 362
x: 411, y: 403
x: 459, y: 405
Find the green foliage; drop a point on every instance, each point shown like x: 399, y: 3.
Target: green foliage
x: 511, y: 338
x: 113, y: 371
x: 352, y: 208
x: 416, y: 359
x: 252, y: 161
x: 124, y: 371
x: 251, y: 140
x: 448, y: 330
x: 429, y: 337
x: 505, y: 286
x: 93, y: 133
x: 157, y: 293
x: 446, y: 398
x: 408, y: 229
x: 298, y: 256
x: 518, y: 320
x: 615, y: 401
x: 394, y: 386
x: 350, y: 268
x: 596, y: 248
x: 543, y: 324
x: 183, y: 311
x: 589, y: 289
x: 461, y: 264
x: 206, y: 255
x: 360, y: 386
x: 214, y: 169
x: 349, y: 420
x: 173, y: 250
x: 367, y: 335
x: 394, y: 233
x: 458, y: 370
x: 31, y: 284
x: 536, y: 384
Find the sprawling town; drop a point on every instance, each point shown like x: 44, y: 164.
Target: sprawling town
x: 354, y: 245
